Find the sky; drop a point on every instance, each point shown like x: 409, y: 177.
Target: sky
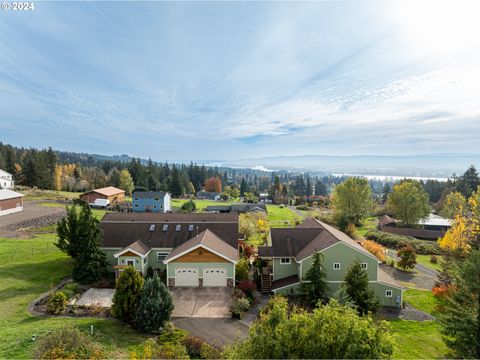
x: 232, y: 80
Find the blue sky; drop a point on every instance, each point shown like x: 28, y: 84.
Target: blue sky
x: 230, y: 80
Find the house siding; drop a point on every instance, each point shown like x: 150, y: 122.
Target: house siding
x: 112, y: 261
x: 345, y: 255
x: 142, y: 204
x: 381, y: 288
x: 282, y: 271
x: 152, y: 259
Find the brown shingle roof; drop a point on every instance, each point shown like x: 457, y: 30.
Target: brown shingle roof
x: 385, y: 220
x: 108, y: 191
x: 309, y: 223
x: 208, y: 239
x: 385, y: 278
x: 137, y: 246
x: 290, y: 280
x: 121, y: 229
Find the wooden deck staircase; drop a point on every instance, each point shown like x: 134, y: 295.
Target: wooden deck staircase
x: 266, y: 281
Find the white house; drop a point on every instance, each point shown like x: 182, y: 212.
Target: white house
x: 6, y: 180
x: 10, y: 202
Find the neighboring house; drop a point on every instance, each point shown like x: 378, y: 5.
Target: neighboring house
x: 431, y: 228
x: 205, y: 195
x: 151, y: 201
x: 265, y: 198
x: 237, y: 208
x: 110, y: 193
x: 193, y: 249
x: 6, y: 180
x: 289, y: 255
x: 10, y: 202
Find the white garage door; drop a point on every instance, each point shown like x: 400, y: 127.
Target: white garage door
x: 215, y: 276
x: 186, y: 277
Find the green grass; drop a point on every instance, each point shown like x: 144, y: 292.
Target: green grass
x: 425, y: 261
x: 28, y: 269
x: 201, y: 204
x: 49, y: 195
x: 281, y: 217
x: 418, y: 340
x: 370, y: 223
x: 423, y: 300
x: 50, y: 204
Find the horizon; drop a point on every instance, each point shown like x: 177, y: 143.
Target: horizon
x: 280, y: 79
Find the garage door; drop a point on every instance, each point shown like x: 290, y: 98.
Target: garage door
x: 186, y: 277
x: 215, y: 277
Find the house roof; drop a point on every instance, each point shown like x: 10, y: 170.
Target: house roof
x: 108, y: 191
x: 137, y: 246
x: 238, y: 207
x: 436, y: 220
x: 385, y: 278
x: 290, y: 280
x: 149, y: 194
x: 309, y: 223
x: 4, y: 173
x: 385, y: 220
x: 6, y: 194
x: 208, y: 240
x: 302, y: 242
x: 121, y: 229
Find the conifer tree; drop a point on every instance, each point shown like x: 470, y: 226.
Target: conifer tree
x: 358, y: 289
x: 314, y: 288
x: 127, y: 294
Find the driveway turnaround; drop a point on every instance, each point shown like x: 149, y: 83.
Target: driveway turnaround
x: 201, y: 302
x: 96, y: 297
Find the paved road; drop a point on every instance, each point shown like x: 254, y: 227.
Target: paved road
x: 298, y: 212
x: 419, y: 267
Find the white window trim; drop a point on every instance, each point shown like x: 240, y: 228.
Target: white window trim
x: 339, y: 266
x: 365, y: 266
x: 391, y: 293
x: 285, y: 261
x: 163, y: 254
x: 129, y: 262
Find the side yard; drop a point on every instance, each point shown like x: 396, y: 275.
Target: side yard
x: 281, y: 216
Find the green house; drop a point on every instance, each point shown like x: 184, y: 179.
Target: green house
x: 289, y: 255
x: 192, y: 250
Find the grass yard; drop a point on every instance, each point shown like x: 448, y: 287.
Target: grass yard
x: 51, y: 204
x: 201, y: 204
x: 425, y: 261
x: 423, y: 300
x: 49, y: 195
x: 29, y: 268
x: 281, y: 217
x: 370, y: 223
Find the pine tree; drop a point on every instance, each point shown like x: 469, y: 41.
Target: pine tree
x: 68, y: 233
x: 243, y: 187
x: 155, y: 306
x: 175, y: 184
x: 358, y: 289
x: 314, y: 288
x: 127, y: 294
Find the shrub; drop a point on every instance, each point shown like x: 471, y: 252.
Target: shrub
x: 241, y: 270
x: 281, y: 206
x: 154, y: 307
x: 150, y: 272
x: 189, y: 206
x: 239, y: 306
x: 433, y: 259
x: 303, y: 207
x: 237, y: 293
x: 443, y: 291
x: 193, y: 346
x: 375, y: 249
x: 71, y: 289
x: 170, y: 334
x: 127, y: 293
x: 210, y: 352
x: 168, y: 350
x: 408, y: 257
x: 248, y: 251
x: 67, y: 343
x: 57, y: 303
x: 351, y: 230
x: 247, y: 287
x: 393, y: 241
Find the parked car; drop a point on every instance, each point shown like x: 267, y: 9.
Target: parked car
x: 100, y: 203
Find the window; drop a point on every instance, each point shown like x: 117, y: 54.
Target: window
x: 157, y: 199
x: 154, y: 206
x: 190, y: 227
x: 388, y: 293
x: 152, y: 227
x: 178, y: 227
x: 285, y: 261
x: 145, y: 260
x: 130, y: 262
x: 165, y: 227
x: 136, y: 205
x: 336, y: 266
x: 136, y: 199
x: 161, y: 255
x: 364, y: 265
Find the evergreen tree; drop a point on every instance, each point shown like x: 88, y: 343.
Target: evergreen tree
x: 461, y: 319
x: 68, y: 229
x: 471, y: 178
x: 446, y: 275
x: 243, y: 187
x: 358, y: 289
x: 321, y: 189
x: 315, y: 287
x: 127, y: 294
x: 155, y: 306
x: 114, y: 179
x: 10, y: 160
x: 175, y: 184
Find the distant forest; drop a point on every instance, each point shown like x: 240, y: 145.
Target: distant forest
x: 69, y: 171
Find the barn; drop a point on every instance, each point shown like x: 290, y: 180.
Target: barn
x: 10, y: 202
x: 110, y: 193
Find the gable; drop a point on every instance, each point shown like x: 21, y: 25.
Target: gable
x: 200, y: 255
x: 128, y: 253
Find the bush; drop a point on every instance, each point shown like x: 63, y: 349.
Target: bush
x: 71, y: 289
x: 57, y: 303
x: 127, y: 293
x: 247, y: 287
x: 193, y: 346
x: 303, y: 207
x: 168, y: 350
x: 241, y: 270
x: 393, y: 241
x: 150, y: 272
x: 237, y: 293
x: 408, y: 257
x: 67, y: 343
x: 443, y: 291
x: 189, y: 206
x: 375, y: 249
x: 210, y: 352
x: 433, y: 259
x: 239, y: 306
x: 351, y: 230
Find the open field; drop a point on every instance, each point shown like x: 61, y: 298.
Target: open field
x: 201, y: 204
x: 49, y: 195
x: 425, y: 261
x: 281, y: 217
x: 31, y: 267
x: 370, y: 223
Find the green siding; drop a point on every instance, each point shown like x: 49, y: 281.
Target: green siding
x: 345, y: 255
x: 138, y: 261
x: 282, y: 271
x: 152, y: 259
x: 111, y: 260
x: 199, y: 266
x: 380, y: 289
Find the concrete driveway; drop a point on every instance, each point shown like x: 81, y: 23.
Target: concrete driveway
x: 96, y: 297
x: 201, y: 302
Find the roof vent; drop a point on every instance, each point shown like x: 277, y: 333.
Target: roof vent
x: 152, y: 227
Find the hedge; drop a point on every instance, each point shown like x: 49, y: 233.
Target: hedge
x: 393, y: 241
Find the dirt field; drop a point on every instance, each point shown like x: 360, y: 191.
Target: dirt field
x: 33, y: 215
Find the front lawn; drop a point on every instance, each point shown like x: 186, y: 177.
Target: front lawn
x: 425, y: 261
x: 423, y: 300
x: 281, y: 216
x: 28, y: 269
x: 200, y: 203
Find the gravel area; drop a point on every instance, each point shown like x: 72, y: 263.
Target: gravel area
x: 408, y: 313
